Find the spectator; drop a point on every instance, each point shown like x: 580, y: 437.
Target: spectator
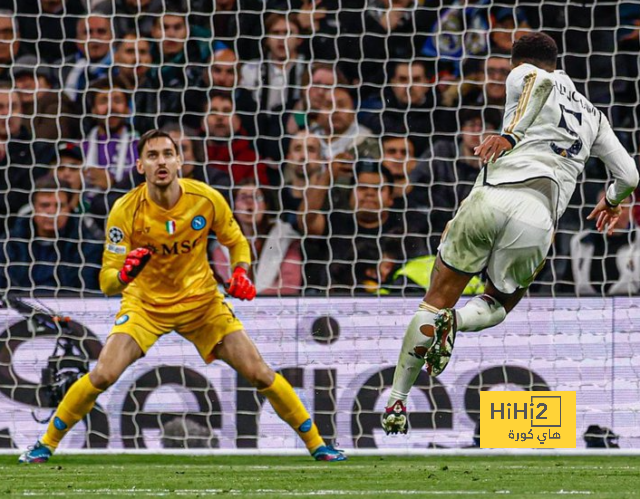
x: 399, y: 157
x: 93, y: 58
x: 276, y: 79
x: 238, y: 24
x: 373, y: 267
x: 339, y: 131
x: 484, y: 88
x: 466, y: 88
x: 67, y: 164
x: 461, y: 30
x: 507, y: 26
x: 111, y: 145
x: 223, y: 75
x: 386, y: 30
x: 227, y: 147
x: 32, y: 82
x: 495, y: 88
x: 275, y: 245
x: 132, y: 61
x: 47, y: 27
x: 303, y: 162
x: 318, y: 23
x: 223, y: 71
x: 17, y: 172
x: 407, y: 103
x: 275, y: 82
x: 607, y: 265
x: 49, y: 251
x: 10, y: 37
x: 191, y: 150
x: 317, y: 82
x: 135, y: 17
x: 445, y: 174
x: 369, y: 218
x: 179, y: 55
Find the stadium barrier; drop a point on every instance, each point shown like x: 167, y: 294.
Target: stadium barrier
x: 340, y: 355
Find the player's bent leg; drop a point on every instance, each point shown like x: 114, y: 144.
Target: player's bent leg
x: 446, y: 287
x: 119, y: 352
x: 481, y: 312
x: 508, y: 301
x: 237, y: 350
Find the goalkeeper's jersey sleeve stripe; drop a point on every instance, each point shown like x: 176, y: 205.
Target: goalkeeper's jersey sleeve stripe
x: 529, y: 82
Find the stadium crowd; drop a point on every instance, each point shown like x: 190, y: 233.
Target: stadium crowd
x: 341, y: 133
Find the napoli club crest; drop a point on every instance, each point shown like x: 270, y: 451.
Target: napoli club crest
x: 198, y: 222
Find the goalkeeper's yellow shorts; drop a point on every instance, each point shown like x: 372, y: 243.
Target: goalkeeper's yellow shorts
x: 204, y: 325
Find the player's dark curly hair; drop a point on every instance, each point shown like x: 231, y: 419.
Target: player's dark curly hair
x: 536, y: 48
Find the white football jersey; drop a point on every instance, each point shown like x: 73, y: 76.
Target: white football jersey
x: 554, y: 130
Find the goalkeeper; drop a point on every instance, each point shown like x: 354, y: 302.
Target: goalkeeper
x: 155, y: 256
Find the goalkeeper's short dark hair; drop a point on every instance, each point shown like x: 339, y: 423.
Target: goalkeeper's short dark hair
x: 155, y: 134
x: 536, y: 48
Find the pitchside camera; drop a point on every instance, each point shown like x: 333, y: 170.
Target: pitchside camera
x: 65, y: 366
x: 67, y: 363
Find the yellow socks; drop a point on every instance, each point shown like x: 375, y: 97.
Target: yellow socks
x: 290, y: 409
x: 76, y: 404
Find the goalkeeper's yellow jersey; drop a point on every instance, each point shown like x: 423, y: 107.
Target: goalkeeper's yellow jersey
x: 178, y: 272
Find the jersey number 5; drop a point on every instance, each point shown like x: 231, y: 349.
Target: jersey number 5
x: 576, y: 147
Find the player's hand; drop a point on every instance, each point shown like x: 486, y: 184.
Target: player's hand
x: 240, y: 286
x: 492, y: 147
x: 133, y: 264
x: 606, y: 216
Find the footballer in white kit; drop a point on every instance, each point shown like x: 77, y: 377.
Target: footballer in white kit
x: 506, y: 224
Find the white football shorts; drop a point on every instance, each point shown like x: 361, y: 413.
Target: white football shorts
x: 506, y: 230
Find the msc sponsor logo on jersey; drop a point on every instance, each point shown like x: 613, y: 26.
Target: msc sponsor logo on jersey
x: 115, y: 235
x: 198, y: 222
x: 180, y: 247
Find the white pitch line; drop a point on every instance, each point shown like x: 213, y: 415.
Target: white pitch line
x: 290, y: 493
x: 234, y: 492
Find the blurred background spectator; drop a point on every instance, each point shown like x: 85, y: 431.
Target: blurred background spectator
x: 275, y: 245
x: 49, y: 251
x: 607, y: 265
x: 292, y: 95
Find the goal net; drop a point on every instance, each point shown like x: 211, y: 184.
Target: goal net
x: 342, y: 136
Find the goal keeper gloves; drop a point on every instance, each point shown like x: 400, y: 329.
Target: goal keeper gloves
x: 133, y: 264
x: 240, y: 286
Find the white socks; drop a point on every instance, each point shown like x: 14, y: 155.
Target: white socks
x: 409, y: 363
x: 479, y: 313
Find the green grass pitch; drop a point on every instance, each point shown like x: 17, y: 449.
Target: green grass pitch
x: 264, y: 477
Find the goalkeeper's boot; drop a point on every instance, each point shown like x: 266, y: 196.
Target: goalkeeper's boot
x: 394, y: 419
x: 39, y: 453
x: 328, y: 453
x: 439, y: 353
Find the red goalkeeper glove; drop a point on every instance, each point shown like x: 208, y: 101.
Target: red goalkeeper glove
x: 240, y: 286
x: 133, y: 264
